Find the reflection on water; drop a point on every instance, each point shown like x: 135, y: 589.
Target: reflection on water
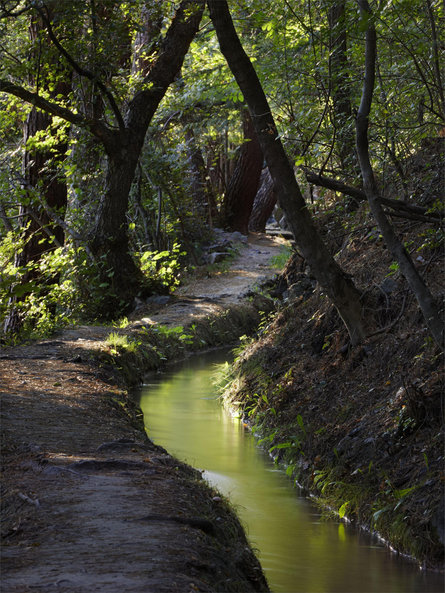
x: 298, y: 551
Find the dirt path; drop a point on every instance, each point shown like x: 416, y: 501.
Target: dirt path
x: 88, y: 502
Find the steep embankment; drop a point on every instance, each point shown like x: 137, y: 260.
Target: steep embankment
x: 362, y: 428
x: 89, y: 503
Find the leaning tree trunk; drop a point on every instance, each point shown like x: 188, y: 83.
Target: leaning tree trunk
x: 334, y: 281
x: 243, y: 184
x: 263, y: 204
x: 423, y: 295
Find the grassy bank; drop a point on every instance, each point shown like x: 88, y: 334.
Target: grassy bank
x: 360, y: 429
x: 129, y: 353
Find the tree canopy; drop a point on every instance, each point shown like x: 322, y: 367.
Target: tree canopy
x: 144, y: 130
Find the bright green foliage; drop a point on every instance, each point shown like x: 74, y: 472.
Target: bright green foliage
x: 119, y: 342
x: 163, y: 266
x: 280, y: 260
x: 291, y: 44
x: 52, y: 301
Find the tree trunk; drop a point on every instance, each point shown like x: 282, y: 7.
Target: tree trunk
x: 44, y: 191
x: 263, y: 204
x: 436, y: 57
x: 243, y: 183
x: 423, y: 295
x: 41, y: 234
x: 40, y: 171
x: 340, y: 87
x: 201, y: 188
x: 110, y: 242
x: 333, y: 280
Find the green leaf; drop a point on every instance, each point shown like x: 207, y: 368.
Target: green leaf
x: 286, y: 445
x: 301, y: 423
x: 22, y: 289
x: 380, y: 512
x: 342, y: 510
x: 318, y: 477
x: 404, y: 492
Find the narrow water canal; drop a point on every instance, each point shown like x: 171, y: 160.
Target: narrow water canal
x: 299, y: 551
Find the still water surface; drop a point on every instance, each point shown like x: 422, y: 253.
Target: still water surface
x: 299, y: 552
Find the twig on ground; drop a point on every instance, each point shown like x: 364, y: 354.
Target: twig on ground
x: 389, y: 327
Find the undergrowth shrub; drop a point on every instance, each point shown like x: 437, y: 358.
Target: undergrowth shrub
x: 47, y: 293
x: 162, y: 267
x: 67, y: 285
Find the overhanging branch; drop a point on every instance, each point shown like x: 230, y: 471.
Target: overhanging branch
x: 96, y: 127
x: 83, y: 71
x: 359, y: 194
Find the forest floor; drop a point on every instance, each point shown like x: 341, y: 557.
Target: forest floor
x: 89, y: 503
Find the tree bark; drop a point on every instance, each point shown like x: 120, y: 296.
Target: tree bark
x: 40, y: 170
x: 147, y: 38
x: 43, y: 188
x: 244, y: 181
x: 423, y: 295
x: 201, y: 188
x: 334, y: 281
x: 123, y: 148
x: 263, y: 204
x: 340, y: 87
x: 110, y: 244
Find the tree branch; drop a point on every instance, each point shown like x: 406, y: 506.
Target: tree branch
x: 97, y: 128
x: 360, y: 195
x: 416, y: 283
x: 12, y: 11
x: 82, y: 71
x: 166, y: 66
x: 412, y: 54
x: 43, y: 226
x: 70, y: 231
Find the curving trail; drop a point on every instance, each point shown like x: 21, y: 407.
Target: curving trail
x: 89, y: 503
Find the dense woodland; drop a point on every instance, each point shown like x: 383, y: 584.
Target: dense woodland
x: 130, y: 129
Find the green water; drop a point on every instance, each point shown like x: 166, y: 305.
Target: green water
x: 299, y: 552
